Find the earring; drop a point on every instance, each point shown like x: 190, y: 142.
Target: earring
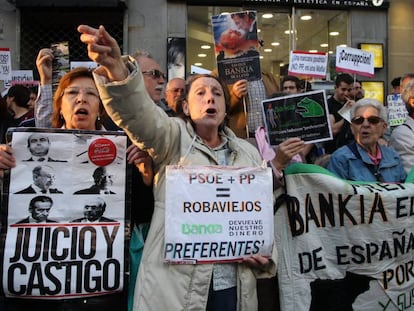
x: 61, y: 116
x: 99, y: 117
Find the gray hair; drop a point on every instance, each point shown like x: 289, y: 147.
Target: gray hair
x: 142, y: 53
x: 365, y: 102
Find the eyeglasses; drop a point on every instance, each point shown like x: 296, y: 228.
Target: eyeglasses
x: 73, y: 92
x: 156, y: 74
x: 176, y: 90
x: 372, y: 120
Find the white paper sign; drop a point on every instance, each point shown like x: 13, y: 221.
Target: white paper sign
x: 397, y: 113
x: 19, y: 76
x: 5, y: 64
x: 308, y: 64
x: 217, y: 213
x: 354, y: 61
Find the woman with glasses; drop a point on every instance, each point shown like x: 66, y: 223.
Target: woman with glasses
x: 201, y: 138
x: 77, y: 105
x: 365, y: 159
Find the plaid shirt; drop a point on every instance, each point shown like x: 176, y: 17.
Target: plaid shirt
x: 256, y: 93
x: 44, y: 107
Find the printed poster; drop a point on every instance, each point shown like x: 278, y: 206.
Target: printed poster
x: 218, y: 214
x: 303, y: 115
x: 65, y: 215
x: 346, y: 245
x: 237, y: 46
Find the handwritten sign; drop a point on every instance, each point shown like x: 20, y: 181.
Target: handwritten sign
x: 308, y: 64
x: 217, y: 214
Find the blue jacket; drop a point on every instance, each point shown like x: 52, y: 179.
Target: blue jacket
x: 347, y: 165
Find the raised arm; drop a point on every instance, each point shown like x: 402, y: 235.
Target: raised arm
x: 104, y: 50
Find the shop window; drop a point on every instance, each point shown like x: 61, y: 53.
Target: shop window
x: 282, y: 30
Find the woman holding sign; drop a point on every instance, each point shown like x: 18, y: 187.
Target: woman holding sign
x: 202, y: 139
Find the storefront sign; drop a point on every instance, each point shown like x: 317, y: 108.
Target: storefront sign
x: 309, y: 4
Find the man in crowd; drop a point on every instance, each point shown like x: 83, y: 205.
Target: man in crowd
x: 291, y: 85
x: 39, y: 145
x: 154, y: 78
x: 173, y: 92
x: 39, y: 208
x: 357, y: 92
x: 43, y: 177
x: 93, y: 211
x: 340, y: 127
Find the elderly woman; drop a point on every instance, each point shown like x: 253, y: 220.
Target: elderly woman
x: 201, y: 139
x: 365, y: 159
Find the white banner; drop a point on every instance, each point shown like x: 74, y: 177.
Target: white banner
x: 217, y: 213
x: 308, y: 64
x: 19, y: 77
x: 345, y: 244
x: 355, y: 61
x: 397, y: 112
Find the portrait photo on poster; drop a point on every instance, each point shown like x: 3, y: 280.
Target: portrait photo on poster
x: 176, y: 57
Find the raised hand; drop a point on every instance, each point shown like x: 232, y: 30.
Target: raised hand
x: 44, y: 66
x: 143, y: 161
x: 103, y: 49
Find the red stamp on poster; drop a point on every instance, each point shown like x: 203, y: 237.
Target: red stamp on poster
x: 102, y: 152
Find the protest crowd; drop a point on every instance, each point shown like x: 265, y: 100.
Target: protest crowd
x: 203, y: 120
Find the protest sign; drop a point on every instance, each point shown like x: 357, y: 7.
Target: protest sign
x: 397, y: 112
x: 347, y: 244
x: 354, y: 61
x: 64, y: 215
x: 216, y: 214
x: 236, y: 47
x: 5, y: 64
x: 303, y: 115
x: 20, y: 77
x: 308, y: 64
